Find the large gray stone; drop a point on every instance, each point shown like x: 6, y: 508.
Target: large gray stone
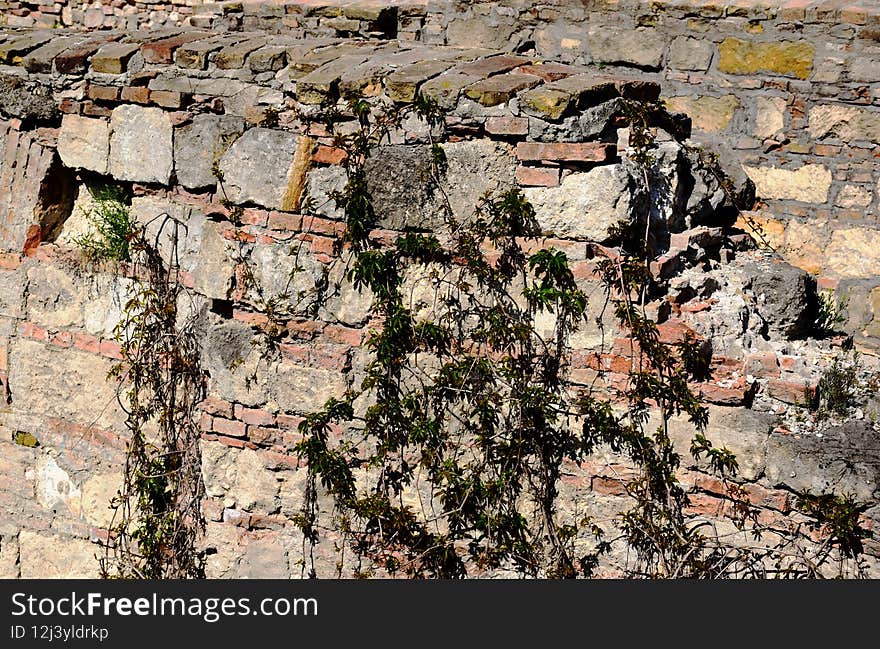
x: 402, y: 181
x: 30, y: 102
x: 84, y: 142
x: 199, y: 145
x: 784, y: 296
x: 688, y: 53
x: 286, y: 271
x: 642, y: 48
x: 845, y: 459
x: 141, y: 144
x: 585, y: 205
x: 258, y: 168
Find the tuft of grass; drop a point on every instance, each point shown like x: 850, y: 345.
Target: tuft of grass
x: 837, y: 389
x: 830, y: 314
x: 110, y: 225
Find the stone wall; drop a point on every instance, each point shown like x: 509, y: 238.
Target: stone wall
x: 789, y: 87
x: 162, y: 113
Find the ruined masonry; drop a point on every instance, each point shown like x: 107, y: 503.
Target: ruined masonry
x: 770, y: 196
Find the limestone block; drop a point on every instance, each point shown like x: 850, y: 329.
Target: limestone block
x: 849, y: 123
x: 46, y: 556
x: 262, y: 168
x: 141, y: 144
x: 788, y: 58
x: 854, y: 197
x: 853, y: 252
x: 711, y: 114
x: 586, y: 204
x: 64, y: 383
x: 239, y: 477
x: 769, y: 116
x: 688, y: 53
x: 642, y: 48
x: 808, y: 184
x: 84, y: 142
x: 199, y: 145
x: 98, y: 492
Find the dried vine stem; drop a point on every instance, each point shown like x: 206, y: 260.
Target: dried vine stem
x: 158, y: 522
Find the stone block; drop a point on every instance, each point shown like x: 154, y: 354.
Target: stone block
x: 199, y: 145
x: 141, y: 144
x: 808, y: 184
x: 787, y: 58
x: 259, y: 168
x: 84, y: 143
x: 585, y: 205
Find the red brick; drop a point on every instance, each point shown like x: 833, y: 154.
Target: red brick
x: 826, y: 149
x: 700, y: 503
x: 167, y: 98
x: 296, y: 353
x: 61, y: 338
x: 9, y: 260
x: 608, y: 486
x: 102, y: 93
x: 566, y: 151
x: 206, y: 422
x: 254, y: 416
x: 344, y: 335
x: 329, y: 155
x: 162, y: 51
x: 673, y: 331
x: 330, y: 357
x: 317, y: 225
x: 323, y: 245
x: 284, y: 221
x: 32, y: 240
x: 32, y: 331
x: 253, y: 319
x: 136, y: 94
x: 70, y: 106
x: 263, y: 435
x: 229, y: 427
x: 111, y: 349
x: 252, y: 216
x: 291, y: 422
x: 537, y: 176
x: 737, y: 394
x: 516, y: 126
x: 215, y: 406
x: 790, y: 392
x: 764, y: 365
x: 91, y: 109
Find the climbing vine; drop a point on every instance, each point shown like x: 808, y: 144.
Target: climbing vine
x: 446, y: 459
x: 158, y: 521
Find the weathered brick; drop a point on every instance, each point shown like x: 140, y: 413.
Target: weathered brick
x: 102, y: 93
x: 501, y: 88
x: 136, y: 94
x: 254, y: 416
x: 229, y: 427
x: 515, y: 126
x: 537, y: 176
x: 162, y: 50
x: 565, y: 151
x: 113, y: 58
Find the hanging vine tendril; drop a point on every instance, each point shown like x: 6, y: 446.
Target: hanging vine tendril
x: 158, y: 522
